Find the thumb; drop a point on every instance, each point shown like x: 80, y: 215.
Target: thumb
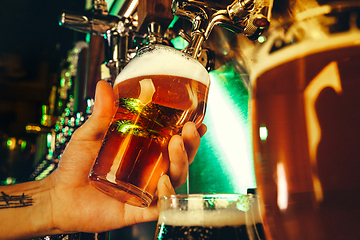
x: 86, y: 141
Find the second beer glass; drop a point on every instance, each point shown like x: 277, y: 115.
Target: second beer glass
x: 209, y: 216
x: 157, y: 93
x: 305, y: 116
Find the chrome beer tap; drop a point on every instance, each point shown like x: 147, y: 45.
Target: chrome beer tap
x: 156, y: 34
x: 248, y: 17
x: 116, y: 30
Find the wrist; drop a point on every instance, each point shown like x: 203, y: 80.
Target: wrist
x: 41, y: 213
x: 27, y: 210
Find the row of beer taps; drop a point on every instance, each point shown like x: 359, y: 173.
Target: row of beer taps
x: 248, y: 17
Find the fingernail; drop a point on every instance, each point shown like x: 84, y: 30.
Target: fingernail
x: 196, y: 133
x: 168, y: 183
x: 182, y: 145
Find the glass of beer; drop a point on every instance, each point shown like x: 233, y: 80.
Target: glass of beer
x: 209, y: 216
x: 305, y: 113
x: 157, y: 93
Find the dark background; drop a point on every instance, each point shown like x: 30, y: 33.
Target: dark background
x: 33, y: 48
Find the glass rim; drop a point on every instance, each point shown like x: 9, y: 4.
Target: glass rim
x: 205, y: 196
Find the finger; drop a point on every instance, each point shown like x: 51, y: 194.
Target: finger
x: 202, y: 130
x: 178, y: 161
x: 96, y: 126
x: 191, y: 138
x: 165, y: 187
x: 86, y: 141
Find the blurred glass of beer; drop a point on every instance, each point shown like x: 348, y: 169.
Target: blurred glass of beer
x: 157, y: 93
x: 306, y: 125
x: 209, y: 216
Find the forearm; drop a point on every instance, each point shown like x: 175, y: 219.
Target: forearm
x: 25, y: 210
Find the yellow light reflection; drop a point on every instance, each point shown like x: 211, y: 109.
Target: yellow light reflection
x: 328, y: 77
x: 282, y: 189
x: 33, y: 128
x: 131, y: 8
x: 263, y: 132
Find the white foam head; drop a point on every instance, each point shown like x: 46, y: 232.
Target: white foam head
x: 164, y: 60
x: 218, y: 218
x: 230, y: 210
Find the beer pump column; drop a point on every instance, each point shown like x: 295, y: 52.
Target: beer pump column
x: 117, y: 32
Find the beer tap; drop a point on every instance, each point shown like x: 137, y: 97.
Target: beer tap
x: 116, y: 30
x: 248, y: 17
x: 97, y: 21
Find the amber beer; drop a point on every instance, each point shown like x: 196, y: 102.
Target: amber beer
x: 306, y: 115
x: 157, y: 93
x: 213, y: 217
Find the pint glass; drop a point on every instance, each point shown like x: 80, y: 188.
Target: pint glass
x: 157, y: 93
x: 306, y: 115
x: 209, y: 216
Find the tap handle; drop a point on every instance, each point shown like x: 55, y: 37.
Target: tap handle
x: 90, y: 22
x: 97, y: 21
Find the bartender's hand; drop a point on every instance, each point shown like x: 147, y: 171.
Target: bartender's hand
x: 65, y: 202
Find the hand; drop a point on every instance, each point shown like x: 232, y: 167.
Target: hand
x: 79, y: 207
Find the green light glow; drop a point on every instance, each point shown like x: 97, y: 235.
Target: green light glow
x: 10, y: 180
x: 171, y: 25
x: 232, y: 133
x: 261, y: 39
x: 50, y: 154
x: 109, y: 3
x: 88, y: 103
x: 115, y: 7
x: 44, y: 109
x: 179, y: 43
x: 67, y: 111
x: 88, y: 37
x: 62, y: 82
x: 124, y: 128
x: 11, y: 143
x: 224, y: 162
x: 46, y: 172
x: 263, y: 132
x: 23, y: 145
x: 48, y: 140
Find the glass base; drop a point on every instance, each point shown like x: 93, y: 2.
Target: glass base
x: 124, y: 192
